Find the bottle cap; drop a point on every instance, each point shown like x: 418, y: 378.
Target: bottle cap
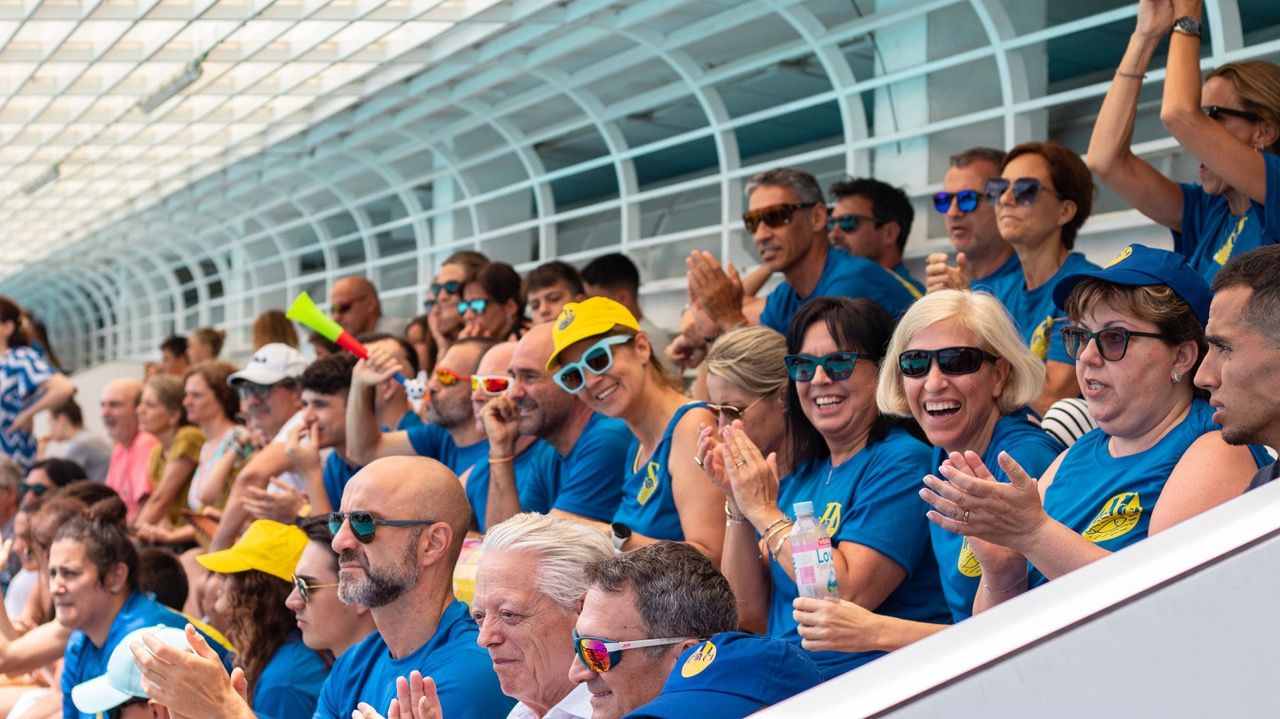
x: 803, y: 508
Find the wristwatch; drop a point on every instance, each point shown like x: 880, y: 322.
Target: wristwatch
x: 621, y: 533
x: 1187, y: 25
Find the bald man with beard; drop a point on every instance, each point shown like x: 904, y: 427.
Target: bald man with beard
x: 399, y: 534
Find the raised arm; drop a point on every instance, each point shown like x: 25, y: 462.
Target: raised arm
x: 365, y: 439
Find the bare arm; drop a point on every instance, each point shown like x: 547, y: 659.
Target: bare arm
x: 177, y: 472
x: 40, y: 646
x: 698, y: 501
x: 849, y: 627
x: 365, y: 439
x: 1209, y: 473
x: 53, y: 392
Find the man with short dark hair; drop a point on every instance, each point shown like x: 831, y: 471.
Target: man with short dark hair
x: 548, y: 287
x: 173, y: 356
x: 872, y: 219
x: 1242, y: 366
x: 68, y: 439
x: 983, y: 258
x: 615, y: 276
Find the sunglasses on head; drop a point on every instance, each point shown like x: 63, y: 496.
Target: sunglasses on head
x: 729, y: 413
x: 951, y: 360
x: 597, y: 359
x: 837, y: 365
x: 363, y: 523
x: 849, y: 223
x: 477, y: 305
x: 1025, y: 190
x: 1112, y: 342
x: 1216, y: 112
x: 774, y: 216
x: 492, y: 384
x: 305, y: 588
x: 601, y: 655
x: 448, y: 378
x: 966, y: 200
x: 36, y: 489
x: 452, y: 287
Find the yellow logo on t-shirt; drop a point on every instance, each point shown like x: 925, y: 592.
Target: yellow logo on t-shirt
x: 1121, y: 257
x: 650, y: 483
x: 967, y: 563
x: 1040, y: 338
x: 831, y: 518
x: 699, y: 660
x: 1118, y: 516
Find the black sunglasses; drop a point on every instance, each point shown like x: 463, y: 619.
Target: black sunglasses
x: 363, y: 523
x: 837, y: 365
x: 452, y: 287
x: 1215, y: 112
x: 774, y: 216
x: 951, y: 360
x: 36, y: 489
x: 1025, y: 190
x: 966, y: 200
x: 305, y: 588
x: 849, y: 223
x: 1112, y: 343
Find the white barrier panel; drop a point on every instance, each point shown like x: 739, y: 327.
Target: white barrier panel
x: 1185, y: 624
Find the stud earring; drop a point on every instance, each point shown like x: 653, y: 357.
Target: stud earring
x: 1177, y: 376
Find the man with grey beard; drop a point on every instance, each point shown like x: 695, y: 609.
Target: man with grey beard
x: 398, y: 537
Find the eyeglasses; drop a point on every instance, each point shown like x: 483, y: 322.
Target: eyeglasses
x: 598, y: 359
x: 452, y: 287
x: 601, y: 655
x: 729, y: 413
x: 1215, y: 112
x: 493, y: 385
x: 363, y: 523
x: 477, y: 305
x: 253, y: 389
x: 448, y: 378
x: 951, y: 360
x: 849, y: 223
x: 305, y: 589
x: 966, y: 200
x: 774, y: 216
x: 36, y: 489
x: 1025, y: 190
x: 1112, y: 343
x: 837, y: 365
x: 339, y: 308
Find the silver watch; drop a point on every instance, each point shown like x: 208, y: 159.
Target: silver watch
x: 1187, y: 25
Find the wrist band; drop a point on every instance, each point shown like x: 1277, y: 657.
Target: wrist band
x: 501, y: 460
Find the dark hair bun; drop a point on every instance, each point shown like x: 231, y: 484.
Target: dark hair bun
x: 109, y: 510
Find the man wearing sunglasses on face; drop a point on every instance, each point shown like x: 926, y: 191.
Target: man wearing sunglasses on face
x: 983, y: 258
x: 353, y: 302
x: 872, y: 219
x: 398, y: 536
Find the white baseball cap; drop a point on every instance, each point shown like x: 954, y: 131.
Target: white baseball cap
x: 123, y: 680
x: 270, y: 364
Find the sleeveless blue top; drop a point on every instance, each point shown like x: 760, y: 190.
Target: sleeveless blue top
x: 1109, y: 499
x: 648, y: 504
x: 1034, y: 449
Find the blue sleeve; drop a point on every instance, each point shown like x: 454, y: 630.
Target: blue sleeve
x: 1184, y: 242
x: 591, y: 478
x: 333, y: 482
x: 771, y: 315
x: 871, y: 281
x: 544, y: 483
x: 331, y: 701
x: 886, y: 513
x: 290, y: 683
x: 428, y: 440
x: 1271, y: 208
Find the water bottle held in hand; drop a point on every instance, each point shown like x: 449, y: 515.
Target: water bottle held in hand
x: 811, y: 555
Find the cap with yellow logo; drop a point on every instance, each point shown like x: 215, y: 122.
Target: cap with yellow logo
x: 589, y: 318
x: 266, y: 546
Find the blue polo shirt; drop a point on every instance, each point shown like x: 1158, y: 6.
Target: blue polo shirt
x: 462, y: 670
x: 289, y: 685
x: 84, y: 661
x: 1037, y: 317
x: 537, y: 471
x: 912, y: 285
x: 1211, y: 235
x: 432, y: 440
x: 591, y: 475
x: 842, y: 276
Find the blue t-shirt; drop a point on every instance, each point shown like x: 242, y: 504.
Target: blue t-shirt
x: 842, y: 276
x: 592, y: 474
x: 22, y: 371
x: 1211, y: 235
x: 336, y: 475
x: 84, y: 661
x: 1037, y: 317
x: 462, y: 670
x: 911, y: 284
x: 290, y: 682
x: 537, y: 471
x: 1034, y: 449
x: 432, y: 440
x: 648, y: 502
x: 410, y: 419
x: 1109, y: 499
x: 871, y: 499
x: 1001, y: 278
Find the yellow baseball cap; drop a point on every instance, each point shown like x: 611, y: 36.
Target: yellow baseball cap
x: 266, y: 546
x: 588, y: 318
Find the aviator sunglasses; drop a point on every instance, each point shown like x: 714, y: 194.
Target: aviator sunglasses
x: 1112, y: 342
x: 363, y: 523
x: 837, y: 365
x: 966, y: 200
x: 601, y: 655
x: 598, y: 359
x: 1025, y: 190
x: 305, y: 588
x: 774, y: 216
x: 951, y: 360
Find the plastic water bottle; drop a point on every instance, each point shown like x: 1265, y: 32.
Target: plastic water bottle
x: 811, y: 555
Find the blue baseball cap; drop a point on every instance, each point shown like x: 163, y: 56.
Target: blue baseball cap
x: 732, y: 675
x: 1140, y: 266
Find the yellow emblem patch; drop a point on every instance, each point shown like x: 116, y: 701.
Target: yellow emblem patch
x: 1040, y: 338
x: 1118, y: 516
x: 650, y: 483
x: 967, y: 563
x: 831, y: 518
x: 566, y: 319
x: 699, y: 660
x: 1123, y: 254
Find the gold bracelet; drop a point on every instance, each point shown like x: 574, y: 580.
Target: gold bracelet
x: 781, y: 538
x: 501, y: 460
x: 730, y: 517
x: 781, y: 518
x: 773, y: 532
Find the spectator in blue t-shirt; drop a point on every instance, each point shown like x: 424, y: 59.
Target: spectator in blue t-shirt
x: 1231, y: 125
x: 872, y: 219
x: 983, y: 258
x: 399, y: 533
x: 451, y: 435
x: 589, y: 445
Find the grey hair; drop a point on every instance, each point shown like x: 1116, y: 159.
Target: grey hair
x: 803, y: 184
x: 751, y: 358
x: 11, y: 473
x: 564, y: 548
x: 678, y: 591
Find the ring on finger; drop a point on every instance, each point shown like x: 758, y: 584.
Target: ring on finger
x: 965, y: 519
x: 740, y: 463
x: 698, y: 461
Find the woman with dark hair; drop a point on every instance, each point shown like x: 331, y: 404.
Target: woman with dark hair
x: 859, y: 468
x: 418, y: 332
x: 28, y: 385
x: 173, y: 461
x: 205, y: 344
x: 1156, y: 458
x: 212, y: 405
x: 492, y: 304
x: 444, y: 294
x: 283, y: 675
